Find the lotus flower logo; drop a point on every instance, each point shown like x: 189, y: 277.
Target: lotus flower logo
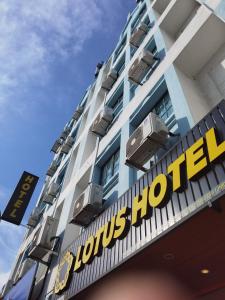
x: 64, y: 273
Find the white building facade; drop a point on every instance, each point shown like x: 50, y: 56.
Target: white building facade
x: 170, y: 60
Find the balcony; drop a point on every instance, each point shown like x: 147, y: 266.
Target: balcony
x: 160, y: 5
x: 200, y: 67
x: 177, y: 19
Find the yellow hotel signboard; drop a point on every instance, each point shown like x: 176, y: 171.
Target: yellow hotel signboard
x: 20, y: 199
x: 189, y: 166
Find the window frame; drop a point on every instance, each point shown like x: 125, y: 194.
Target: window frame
x: 111, y: 164
x: 116, y: 105
x: 120, y: 48
x: 170, y: 118
x: 139, y: 17
x: 63, y: 174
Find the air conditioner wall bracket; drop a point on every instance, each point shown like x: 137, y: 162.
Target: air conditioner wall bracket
x: 135, y: 165
x: 161, y: 145
x: 171, y: 134
x: 46, y: 263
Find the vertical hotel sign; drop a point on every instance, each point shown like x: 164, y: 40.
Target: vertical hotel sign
x: 20, y: 199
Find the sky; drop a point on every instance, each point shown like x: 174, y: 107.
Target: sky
x: 48, y: 53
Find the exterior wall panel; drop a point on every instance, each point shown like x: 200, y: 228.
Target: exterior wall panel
x: 181, y: 206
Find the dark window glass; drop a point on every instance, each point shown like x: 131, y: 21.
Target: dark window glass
x: 110, y: 168
x: 61, y: 176
x: 120, y: 48
x: 164, y: 108
x: 139, y: 17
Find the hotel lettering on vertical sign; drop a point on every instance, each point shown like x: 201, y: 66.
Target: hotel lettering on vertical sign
x: 20, y: 199
x: 190, y: 177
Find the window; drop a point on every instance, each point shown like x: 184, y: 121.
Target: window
x: 133, y: 49
x: 120, y: 65
x: 26, y: 252
x: 158, y: 101
x: 132, y: 90
x: 59, y: 158
x: 145, y: 75
x: 61, y: 176
x: 147, y: 21
x: 117, y: 106
x: 116, y: 103
x: 120, y: 48
x: 74, y: 133
x: 83, y: 103
x: 138, y: 18
x: 42, y: 205
x: 70, y: 124
x: 164, y: 110
x: 151, y: 46
x: 110, y: 168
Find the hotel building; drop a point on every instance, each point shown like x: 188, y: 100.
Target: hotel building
x: 137, y: 177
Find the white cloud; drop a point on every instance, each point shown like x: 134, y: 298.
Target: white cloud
x: 11, y: 237
x: 3, y: 279
x: 34, y: 33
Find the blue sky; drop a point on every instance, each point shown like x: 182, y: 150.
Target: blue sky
x: 48, y: 53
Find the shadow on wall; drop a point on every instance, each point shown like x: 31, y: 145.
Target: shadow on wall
x: 111, y: 199
x: 183, y: 125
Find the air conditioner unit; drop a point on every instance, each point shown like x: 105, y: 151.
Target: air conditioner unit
x: 56, y: 145
x: 65, y: 133
x: 78, y: 112
x: 67, y: 145
x: 52, y: 168
x: 102, y: 121
x: 34, y: 217
x: 51, y: 193
x: 87, y: 205
x: 25, y: 266
x: 138, y: 35
x: 146, y: 140
x: 110, y: 79
x: 42, y: 242
x: 145, y: 60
